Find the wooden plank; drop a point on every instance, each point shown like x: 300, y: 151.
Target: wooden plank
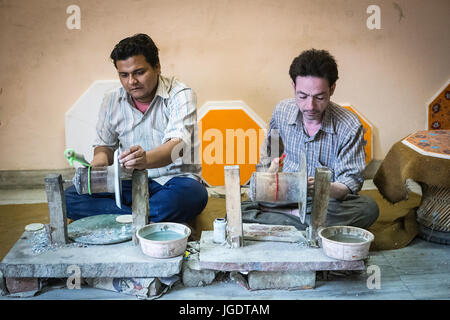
x: 140, y: 205
x: 262, y: 232
x: 29, y: 179
x: 57, y: 209
x: 319, y: 210
x: 235, y: 236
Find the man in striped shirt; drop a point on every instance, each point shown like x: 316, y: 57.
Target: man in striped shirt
x: 327, y: 134
x: 151, y: 118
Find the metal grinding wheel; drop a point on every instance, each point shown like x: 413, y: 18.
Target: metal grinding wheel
x: 100, y: 229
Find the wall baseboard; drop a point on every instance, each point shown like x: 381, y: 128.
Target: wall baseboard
x: 30, y: 179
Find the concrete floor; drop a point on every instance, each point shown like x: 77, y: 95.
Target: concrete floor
x: 419, y: 271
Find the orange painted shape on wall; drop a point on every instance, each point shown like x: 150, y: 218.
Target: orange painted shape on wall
x: 439, y: 110
x: 228, y: 137
x: 367, y: 134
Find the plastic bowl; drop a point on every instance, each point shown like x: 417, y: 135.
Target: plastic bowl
x: 163, y: 248
x: 346, y: 250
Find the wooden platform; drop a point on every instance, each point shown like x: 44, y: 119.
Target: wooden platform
x: 114, y: 260
x: 268, y: 256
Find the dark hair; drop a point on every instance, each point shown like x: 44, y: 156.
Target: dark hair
x: 317, y: 63
x: 132, y: 46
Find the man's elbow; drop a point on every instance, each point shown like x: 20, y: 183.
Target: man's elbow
x: 338, y: 190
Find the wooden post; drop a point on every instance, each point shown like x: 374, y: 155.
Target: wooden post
x: 57, y: 208
x: 140, y: 206
x: 319, y: 210
x: 235, y: 237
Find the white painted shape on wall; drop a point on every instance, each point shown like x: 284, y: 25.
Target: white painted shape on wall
x: 81, y: 118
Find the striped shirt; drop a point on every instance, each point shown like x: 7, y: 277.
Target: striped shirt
x: 337, y: 145
x: 171, y: 114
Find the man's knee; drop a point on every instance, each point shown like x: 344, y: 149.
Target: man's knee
x: 369, y: 211
x: 72, y: 197
x: 191, y: 194
x: 181, y: 202
x: 70, y: 192
x: 358, y: 211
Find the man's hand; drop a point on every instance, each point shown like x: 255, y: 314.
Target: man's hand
x: 275, y: 164
x: 134, y: 158
x: 337, y: 190
x: 103, y: 157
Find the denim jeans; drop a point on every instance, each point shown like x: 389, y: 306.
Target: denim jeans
x: 180, y: 199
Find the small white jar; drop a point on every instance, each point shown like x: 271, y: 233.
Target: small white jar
x: 220, y: 226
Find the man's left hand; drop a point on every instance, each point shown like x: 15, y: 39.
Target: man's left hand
x: 310, y: 186
x: 134, y: 158
x: 337, y: 190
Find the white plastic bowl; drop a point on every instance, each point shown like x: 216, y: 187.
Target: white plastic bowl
x: 346, y: 250
x: 163, y: 248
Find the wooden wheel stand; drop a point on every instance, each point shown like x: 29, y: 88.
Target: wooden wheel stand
x: 294, y: 264
x: 22, y: 269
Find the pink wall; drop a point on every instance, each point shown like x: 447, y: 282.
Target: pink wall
x: 226, y: 50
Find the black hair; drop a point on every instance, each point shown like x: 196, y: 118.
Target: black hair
x: 132, y: 46
x: 317, y: 63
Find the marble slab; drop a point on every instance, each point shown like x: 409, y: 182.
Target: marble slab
x: 114, y: 260
x: 268, y: 256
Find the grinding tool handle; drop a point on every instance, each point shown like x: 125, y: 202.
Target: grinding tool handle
x: 72, y: 156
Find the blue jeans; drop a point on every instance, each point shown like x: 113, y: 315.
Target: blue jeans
x: 181, y: 199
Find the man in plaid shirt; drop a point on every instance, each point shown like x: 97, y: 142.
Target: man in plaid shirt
x: 327, y: 134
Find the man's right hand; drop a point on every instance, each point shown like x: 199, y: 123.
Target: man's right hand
x: 275, y: 164
x: 134, y: 158
x: 103, y: 157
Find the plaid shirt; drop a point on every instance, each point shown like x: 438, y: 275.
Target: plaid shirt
x: 338, y: 144
x: 171, y: 114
